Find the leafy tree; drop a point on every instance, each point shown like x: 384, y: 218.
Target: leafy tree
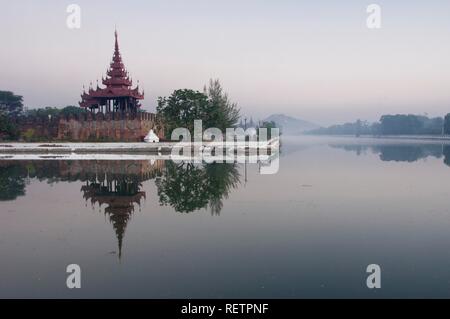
x: 184, y: 106
x: 43, y: 113
x: 8, y: 129
x: 72, y: 110
x: 181, y: 109
x: 10, y: 104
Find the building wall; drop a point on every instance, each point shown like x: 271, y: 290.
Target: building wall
x: 89, y: 127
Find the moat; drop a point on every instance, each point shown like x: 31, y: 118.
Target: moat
x: 161, y: 229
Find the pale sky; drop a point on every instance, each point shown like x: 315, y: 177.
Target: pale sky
x: 315, y: 60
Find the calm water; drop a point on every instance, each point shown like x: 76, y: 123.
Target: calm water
x: 163, y: 230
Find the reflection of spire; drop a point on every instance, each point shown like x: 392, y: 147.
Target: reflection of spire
x: 119, y: 222
x: 117, y: 184
x: 120, y: 197
x: 245, y: 168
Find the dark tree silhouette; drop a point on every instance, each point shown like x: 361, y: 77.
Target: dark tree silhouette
x: 12, y: 182
x: 446, y: 151
x: 447, y: 124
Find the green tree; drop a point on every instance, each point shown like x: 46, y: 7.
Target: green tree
x: 8, y: 129
x: 221, y: 112
x: 43, y: 113
x: 72, y: 110
x: 181, y: 109
x: 10, y: 104
x: 184, y: 106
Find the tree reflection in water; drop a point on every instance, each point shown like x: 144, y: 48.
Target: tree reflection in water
x: 407, y: 152
x: 12, y: 184
x: 188, y: 187
x: 446, y: 151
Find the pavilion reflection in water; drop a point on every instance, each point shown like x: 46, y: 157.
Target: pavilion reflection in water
x: 116, y: 187
x: 117, y: 191
x: 119, y: 204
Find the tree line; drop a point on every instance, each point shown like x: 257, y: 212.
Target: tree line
x: 399, y: 124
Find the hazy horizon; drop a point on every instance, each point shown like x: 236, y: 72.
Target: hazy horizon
x: 315, y: 61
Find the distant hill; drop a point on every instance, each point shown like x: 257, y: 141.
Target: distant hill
x: 290, y: 125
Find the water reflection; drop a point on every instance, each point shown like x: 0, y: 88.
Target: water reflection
x: 116, y: 186
x: 352, y: 212
x: 446, y: 152
x: 400, y: 152
x: 188, y: 187
x: 117, y: 175
x: 11, y: 184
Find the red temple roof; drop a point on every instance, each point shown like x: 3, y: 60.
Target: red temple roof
x: 118, y: 83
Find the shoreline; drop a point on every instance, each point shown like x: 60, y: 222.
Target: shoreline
x: 130, y: 148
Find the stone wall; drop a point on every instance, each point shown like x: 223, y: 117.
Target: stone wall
x: 37, y: 129
x: 109, y: 127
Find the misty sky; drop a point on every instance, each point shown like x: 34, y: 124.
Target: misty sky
x: 315, y: 60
